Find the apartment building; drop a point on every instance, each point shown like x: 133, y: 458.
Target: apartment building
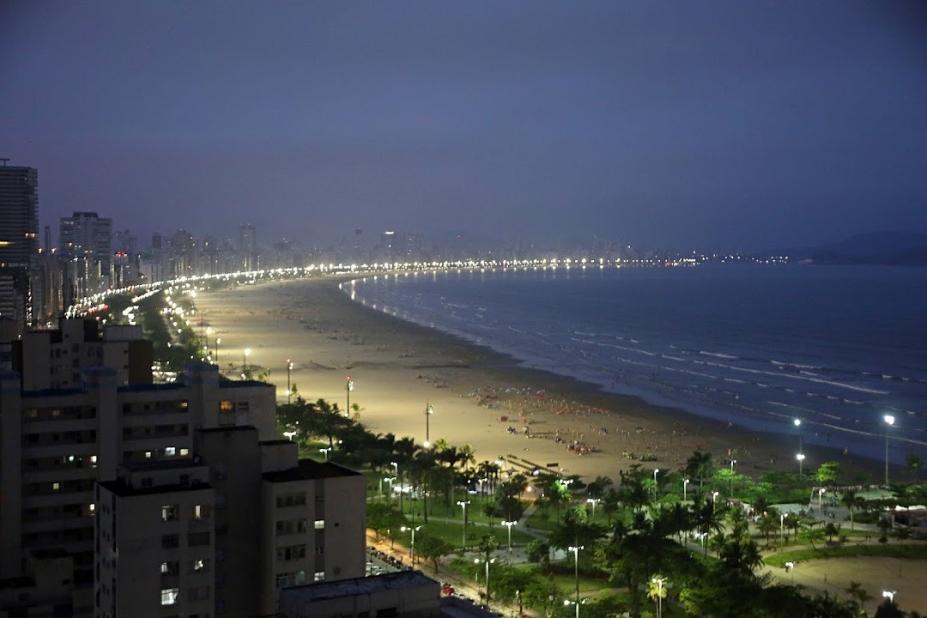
x: 222, y: 535
x: 56, y: 443
x: 54, y: 359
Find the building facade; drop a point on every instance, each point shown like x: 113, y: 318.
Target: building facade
x: 19, y: 203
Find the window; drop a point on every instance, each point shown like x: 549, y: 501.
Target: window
x: 56, y: 486
x: 169, y: 596
x: 243, y: 406
x: 291, y: 500
x: 291, y: 552
x: 170, y: 568
x: 199, y: 565
x: 200, y: 511
x: 226, y: 406
x: 170, y: 541
x: 169, y: 512
x: 200, y: 593
x: 183, y: 405
x: 320, y: 524
x: 93, y: 459
x: 147, y: 454
x: 319, y: 576
x: 184, y: 452
x: 170, y: 451
x: 195, y: 539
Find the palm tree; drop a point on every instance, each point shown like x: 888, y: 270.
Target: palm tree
x: 656, y: 592
x: 858, y: 594
x: 849, y: 499
x: 699, y: 466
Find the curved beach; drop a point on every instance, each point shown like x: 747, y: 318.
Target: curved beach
x: 480, y: 397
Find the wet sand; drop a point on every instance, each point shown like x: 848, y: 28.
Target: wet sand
x: 480, y: 397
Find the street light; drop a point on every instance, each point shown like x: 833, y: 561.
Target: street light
x: 821, y: 493
x: 731, y: 487
x: 413, y: 530
x: 575, y: 550
x: 244, y: 361
x: 429, y: 410
x: 487, y: 562
x: 797, y: 423
x: 568, y: 602
x: 326, y: 450
x: 685, y: 485
x: 655, y: 471
x: 659, y: 582
x: 509, y: 524
x: 714, y: 498
x: 801, y: 458
x: 463, y: 504
x: 218, y: 341
x: 390, y: 480
x: 889, y: 421
x: 790, y: 568
x: 890, y: 595
x: 348, y: 387
x: 289, y: 368
x: 593, y: 502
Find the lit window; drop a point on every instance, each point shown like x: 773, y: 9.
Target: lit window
x: 200, y: 511
x: 147, y: 454
x: 56, y: 486
x: 170, y: 451
x: 226, y: 406
x: 199, y: 564
x: 92, y: 508
x: 169, y: 596
x: 319, y: 576
x: 168, y: 512
x: 184, y: 452
x: 320, y: 524
x: 93, y: 459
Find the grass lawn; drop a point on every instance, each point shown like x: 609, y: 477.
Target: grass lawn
x: 910, y: 551
x: 452, y: 532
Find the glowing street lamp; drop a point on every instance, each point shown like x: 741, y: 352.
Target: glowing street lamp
x: 348, y: 387
x: 801, y: 458
x: 890, y: 595
x: 289, y: 389
x: 568, y: 602
x: 413, y: 530
x: 593, y: 502
x: 731, y: 486
x: 244, y: 361
x: 889, y: 422
x: 797, y: 423
x: 790, y: 568
x: 509, y: 524
x: 655, y: 472
x: 714, y: 498
x: 429, y: 410
x: 685, y: 485
x: 325, y: 450
x: 487, y: 563
x: 463, y: 504
x: 574, y: 549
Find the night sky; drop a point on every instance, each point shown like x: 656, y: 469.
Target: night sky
x: 734, y: 124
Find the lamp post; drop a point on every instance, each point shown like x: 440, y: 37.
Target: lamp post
x: 659, y: 582
x: 289, y: 389
x: 218, y: 341
x: 821, y: 493
x: 398, y: 478
x: 568, y: 602
x: 463, y: 504
x: 801, y: 459
x: 244, y: 361
x: 889, y: 421
x: 797, y: 423
x: 390, y: 480
x: 348, y: 387
x: 413, y: 530
x: 790, y: 568
x: 486, y: 561
x: 509, y: 524
x: 429, y: 410
x: 326, y: 451
x: 731, y: 486
x: 575, y: 550
x: 685, y: 485
x: 890, y: 595
x: 593, y: 502
x: 714, y: 499
x: 655, y: 472
x: 781, y: 527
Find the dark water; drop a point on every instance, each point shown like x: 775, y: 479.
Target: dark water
x: 837, y: 347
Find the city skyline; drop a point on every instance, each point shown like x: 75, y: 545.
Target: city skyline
x: 728, y: 126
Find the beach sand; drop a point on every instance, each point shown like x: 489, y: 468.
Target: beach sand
x: 480, y: 398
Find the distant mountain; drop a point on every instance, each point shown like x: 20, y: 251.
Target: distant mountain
x: 880, y: 248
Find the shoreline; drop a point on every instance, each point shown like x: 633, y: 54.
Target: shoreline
x: 481, y: 397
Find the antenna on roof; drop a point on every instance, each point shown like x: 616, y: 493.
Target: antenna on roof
x: 5, y: 160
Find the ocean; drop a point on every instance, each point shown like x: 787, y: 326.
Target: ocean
x: 759, y: 346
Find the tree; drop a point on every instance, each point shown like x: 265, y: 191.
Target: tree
x: 699, y: 465
x: 827, y: 473
x: 831, y: 530
x: 539, y: 554
x: 856, y: 592
x: 888, y: 609
x: 915, y: 463
x: 849, y: 499
x: 656, y: 591
x: 432, y: 548
x: 769, y: 523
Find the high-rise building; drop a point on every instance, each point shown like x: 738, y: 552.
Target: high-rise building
x: 87, y: 239
x: 19, y: 199
x: 247, y: 247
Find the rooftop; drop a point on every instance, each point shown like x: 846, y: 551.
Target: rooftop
x: 359, y: 586
x: 309, y: 469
